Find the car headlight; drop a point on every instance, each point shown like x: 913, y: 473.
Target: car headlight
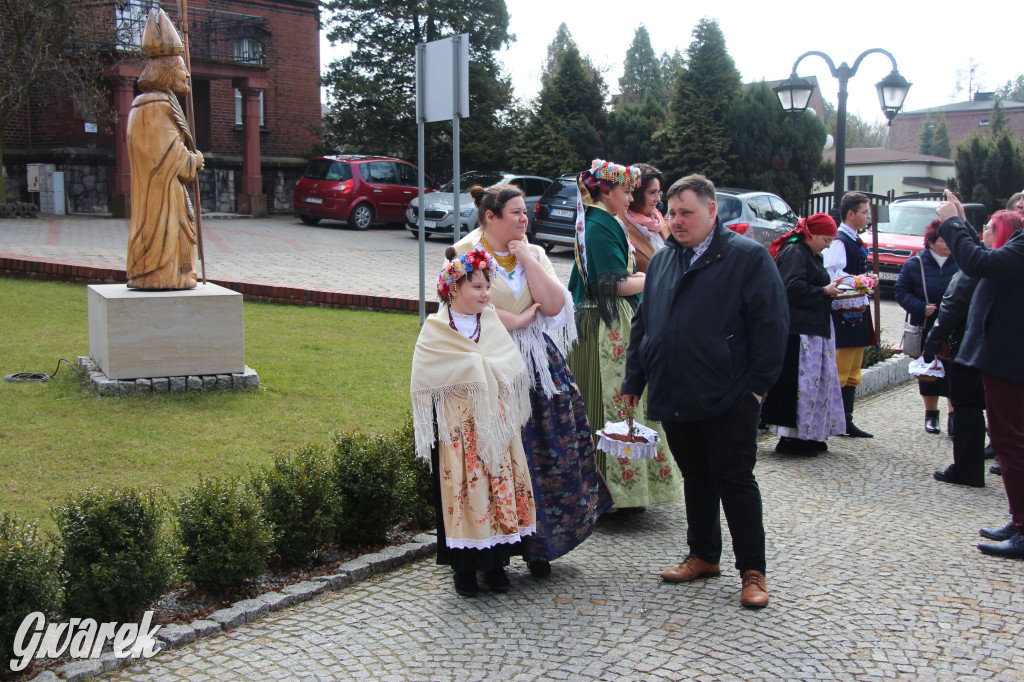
x: 466, y: 212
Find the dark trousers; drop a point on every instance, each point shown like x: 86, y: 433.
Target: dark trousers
x: 1004, y: 402
x: 717, y: 456
x: 967, y: 393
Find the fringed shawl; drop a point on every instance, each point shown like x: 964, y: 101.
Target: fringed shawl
x: 531, y: 339
x: 490, y: 377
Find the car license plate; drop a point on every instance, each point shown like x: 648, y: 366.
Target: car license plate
x: 314, y: 200
x: 889, y: 276
x: 562, y: 213
x: 429, y: 223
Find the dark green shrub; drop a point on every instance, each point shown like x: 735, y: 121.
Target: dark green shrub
x: 30, y: 580
x: 421, y: 504
x: 223, y: 533
x: 375, y: 485
x: 298, y: 498
x: 116, y: 558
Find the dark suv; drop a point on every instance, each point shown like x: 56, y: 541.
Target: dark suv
x: 554, y: 217
x: 360, y: 189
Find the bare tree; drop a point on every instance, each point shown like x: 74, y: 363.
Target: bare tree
x: 972, y: 74
x: 57, y: 48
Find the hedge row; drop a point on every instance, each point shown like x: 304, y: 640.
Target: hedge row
x: 117, y: 550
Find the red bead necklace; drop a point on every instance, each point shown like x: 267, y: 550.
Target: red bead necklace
x: 475, y: 336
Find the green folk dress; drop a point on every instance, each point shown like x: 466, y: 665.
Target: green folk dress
x: 598, y: 360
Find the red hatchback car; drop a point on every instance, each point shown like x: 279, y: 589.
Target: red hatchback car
x: 362, y: 190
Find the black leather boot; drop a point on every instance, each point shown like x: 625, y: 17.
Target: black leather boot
x: 849, y: 395
x: 931, y: 421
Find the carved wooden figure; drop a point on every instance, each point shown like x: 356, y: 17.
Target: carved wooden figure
x: 162, y: 237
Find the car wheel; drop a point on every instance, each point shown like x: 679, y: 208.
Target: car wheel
x: 416, y: 235
x: 361, y: 217
x: 309, y: 220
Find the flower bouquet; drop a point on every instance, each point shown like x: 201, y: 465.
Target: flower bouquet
x: 628, y: 439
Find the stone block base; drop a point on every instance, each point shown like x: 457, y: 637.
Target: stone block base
x: 105, y: 386
x: 144, y: 334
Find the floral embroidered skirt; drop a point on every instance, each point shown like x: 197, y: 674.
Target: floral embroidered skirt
x: 819, y: 400
x: 568, y: 490
x: 599, y: 363
x: 480, y: 510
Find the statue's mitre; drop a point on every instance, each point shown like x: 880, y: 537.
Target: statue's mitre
x: 160, y: 38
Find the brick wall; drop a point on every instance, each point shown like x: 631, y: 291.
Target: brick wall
x: 291, y: 101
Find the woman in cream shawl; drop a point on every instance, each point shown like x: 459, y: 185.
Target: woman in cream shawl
x: 470, y: 398
x: 537, y: 310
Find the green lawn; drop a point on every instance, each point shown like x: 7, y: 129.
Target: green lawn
x: 320, y: 370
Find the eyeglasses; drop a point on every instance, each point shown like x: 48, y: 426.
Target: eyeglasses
x: 988, y: 226
x: 653, y: 193
x: 866, y: 211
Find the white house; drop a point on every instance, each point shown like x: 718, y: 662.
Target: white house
x: 880, y: 171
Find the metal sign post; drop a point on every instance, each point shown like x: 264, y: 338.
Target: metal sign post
x: 439, y: 98
x: 421, y: 123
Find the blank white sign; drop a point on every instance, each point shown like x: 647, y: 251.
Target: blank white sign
x: 438, y: 79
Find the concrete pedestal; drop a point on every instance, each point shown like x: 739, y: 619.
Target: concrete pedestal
x: 141, y: 334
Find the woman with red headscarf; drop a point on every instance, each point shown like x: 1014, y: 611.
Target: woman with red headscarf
x: 805, y: 406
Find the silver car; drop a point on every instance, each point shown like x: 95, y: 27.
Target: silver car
x: 439, y: 213
x: 761, y: 216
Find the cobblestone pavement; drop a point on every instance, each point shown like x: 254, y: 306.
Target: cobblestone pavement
x: 281, y: 250
x: 871, y: 566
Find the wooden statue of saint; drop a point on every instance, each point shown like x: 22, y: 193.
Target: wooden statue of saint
x: 162, y: 236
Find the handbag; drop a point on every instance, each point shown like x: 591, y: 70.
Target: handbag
x: 913, y: 334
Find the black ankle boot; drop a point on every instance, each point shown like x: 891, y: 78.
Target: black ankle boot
x: 466, y: 584
x: 849, y: 397
x: 931, y: 421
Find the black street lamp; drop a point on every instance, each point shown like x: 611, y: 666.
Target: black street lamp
x: 795, y: 92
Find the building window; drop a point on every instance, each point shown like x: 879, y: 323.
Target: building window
x: 129, y: 21
x: 239, y: 104
x: 860, y: 183
x: 248, y: 51
x: 982, y: 122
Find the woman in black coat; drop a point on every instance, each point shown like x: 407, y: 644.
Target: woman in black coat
x: 995, y: 326
x: 805, y: 406
x: 929, y: 270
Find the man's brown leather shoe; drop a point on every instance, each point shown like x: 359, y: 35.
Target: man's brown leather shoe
x: 691, y: 569
x: 755, y: 590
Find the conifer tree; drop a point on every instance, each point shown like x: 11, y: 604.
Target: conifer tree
x: 372, y: 90
x: 940, y: 143
x: 696, y: 138
x: 641, y: 75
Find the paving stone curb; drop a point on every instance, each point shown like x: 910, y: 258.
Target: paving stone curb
x: 249, y: 610
x: 885, y: 374
x: 104, y: 386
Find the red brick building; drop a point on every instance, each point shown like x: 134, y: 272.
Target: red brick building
x: 255, y: 81
x: 962, y: 118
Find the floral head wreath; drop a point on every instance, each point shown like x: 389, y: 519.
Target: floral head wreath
x: 463, y: 266
x: 615, y: 173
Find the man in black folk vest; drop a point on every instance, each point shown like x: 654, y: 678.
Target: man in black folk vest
x: 854, y: 331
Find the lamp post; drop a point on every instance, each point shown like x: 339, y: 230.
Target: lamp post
x: 795, y: 92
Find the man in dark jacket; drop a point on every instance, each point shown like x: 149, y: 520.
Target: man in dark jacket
x: 708, y: 341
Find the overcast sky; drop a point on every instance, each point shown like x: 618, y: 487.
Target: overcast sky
x: 930, y: 42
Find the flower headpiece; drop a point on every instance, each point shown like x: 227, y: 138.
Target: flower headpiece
x: 462, y: 266
x: 615, y: 173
